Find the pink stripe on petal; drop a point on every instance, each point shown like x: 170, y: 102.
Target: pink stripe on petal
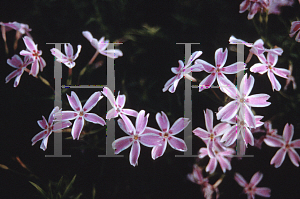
x: 25, y: 53
x: 281, y: 72
x: 224, y: 163
x: 249, y: 118
x: 230, y: 136
x: 77, y: 128
x: 152, y: 130
x: 228, y: 111
x: 257, y: 100
x: 65, y: 115
x: 212, y: 165
x: 179, y: 125
x: 278, y: 158
x: 296, y: 144
x: 294, y: 156
x: 44, y: 143
x: 87, y: 35
x: 17, y: 80
x: 227, y: 87
x: 169, y: 83
x: 110, y: 96
x: 220, y: 57
x: 94, y: 118
x: 256, y: 178
x: 206, y: 66
x: 74, y: 101
x: 69, y: 50
x: 61, y: 125
x: 15, y: 61
x: 130, y: 112
x: 246, y: 85
x: 263, y: 191
x: 42, y: 124
x: 112, y: 113
x: 29, y: 43
x: 207, y: 82
x: 120, y: 101
x: 272, y: 59
x: 177, y: 143
x: 203, y: 152
x: 112, y: 53
x: 126, y: 125
x: 203, y: 134
x: 209, y: 118
x: 273, y: 141
x: 39, y: 136
x: 150, y: 139
x: 12, y: 75
x: 275, y: 84
x: 51, y: 115
x: 240, y: 180
x: 42, y: 63
x: 92, y: 101
x: 234, y: 68
x: 221, y: 128
x: 58, y: 55
x: 122, y: 143
x: 244, y: 6
x: 141, y: 122
x: 194, y: 56
x: 259, y: 68
x: 34, y: 68
x: 158, y: 151
x: 173, y: 87
x: 197, y: 68
x: 162, y: 121
x: 288, y: 132
x: 134, y: 153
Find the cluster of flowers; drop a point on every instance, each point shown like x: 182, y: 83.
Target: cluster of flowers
x: 269, y: 6
x: 237, y: 119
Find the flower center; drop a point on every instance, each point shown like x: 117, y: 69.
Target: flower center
x: 242, y: 123
x: 81, y: 113
x: 270, y: 67
x: 211, y: 136
x: 218, y: 70
x: 135, y: 137
x: 166, y: 135
x: 35, y: 54
x: 242, y: 100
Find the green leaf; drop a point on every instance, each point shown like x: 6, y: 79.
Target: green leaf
x: 69, y: 187
x: 42, y: 192
x: 77, y: 197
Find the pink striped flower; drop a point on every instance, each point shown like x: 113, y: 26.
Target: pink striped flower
x: 294, y: 29
x: 268, y: 65
x: 80, y: 114
x: 183, y: 71
x: 290, y: 79
x: 16, y: 62
x: 49, y: 127
x: 250, y: 189
x: 35, y: 54
x: 253, y: 6
x: 196, y: 176
x: 218, y: 71
x: 135, y: 136
x: 212, y: 133
x: 167, y: 134
x: 223, y: 157
x: 67, y: 59
x: 240, y: 127
x: 243, y: 102
x: 101, y: 46
x: 117, y: 105
x: 287, y: 146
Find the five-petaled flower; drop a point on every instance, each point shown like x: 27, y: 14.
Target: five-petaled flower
x: 243, y: 102
x: 212, y: 133
x: 253, y: 6
x: 219, y: 71
x: 223, y: 157
x: 251, y: 189
x: 35, y: 54
x: 16, y: 62
x: 80, y: 114
x: 287, y: 146
x: 49, y: 127
x: 240, y: 127
x: 135, y: 137
x: 295, y: 28
x: 268, y: 65
x: 101, y: 45
x: 183, y: 71
x: 67, y: 59
x: 117, y: 105
x: 167, y: 134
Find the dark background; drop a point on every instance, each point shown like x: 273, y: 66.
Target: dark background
x: 149, y: 32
